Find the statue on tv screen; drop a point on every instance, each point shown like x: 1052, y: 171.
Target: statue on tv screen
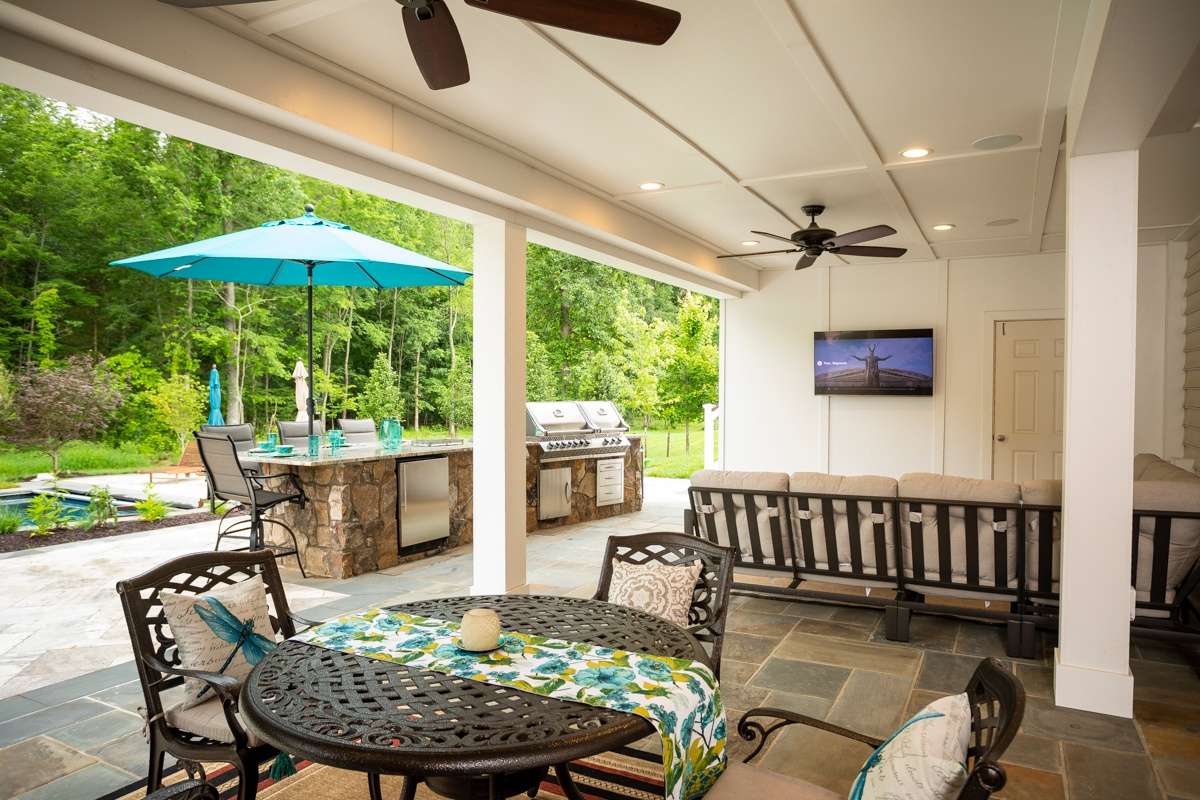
x: 872, y: 366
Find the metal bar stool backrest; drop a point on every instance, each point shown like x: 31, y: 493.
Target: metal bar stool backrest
x: 191, y: 574
x: 358, y: 431
x: 224, y: 468
x: 296, y: 433
x: 710, y: 599
x: 242, y: 435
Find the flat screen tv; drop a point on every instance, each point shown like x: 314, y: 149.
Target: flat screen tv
x: 898, y: 362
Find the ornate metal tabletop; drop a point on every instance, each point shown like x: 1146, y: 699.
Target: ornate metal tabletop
x: 360, y: 713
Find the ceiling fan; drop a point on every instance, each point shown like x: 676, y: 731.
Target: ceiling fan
x: 815, y: 240
x: 438, y: 48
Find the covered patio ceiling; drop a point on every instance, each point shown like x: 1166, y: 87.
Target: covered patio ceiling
x: 751, y: 111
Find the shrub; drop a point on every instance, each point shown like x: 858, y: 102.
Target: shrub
x: 151, y: 509
x: 46, y: 512
x: 381, y: 396
x: 10, y: 521
x: 101, y: 510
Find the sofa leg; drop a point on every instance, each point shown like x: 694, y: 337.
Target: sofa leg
x: 895, y: 620
x: 1022, y: 639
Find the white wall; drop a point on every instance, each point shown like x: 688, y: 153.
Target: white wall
x: 772, y: 420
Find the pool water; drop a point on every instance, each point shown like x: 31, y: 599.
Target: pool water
x: 74, y: 506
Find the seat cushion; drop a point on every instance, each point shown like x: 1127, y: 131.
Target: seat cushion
x: 204, y: 644
x: 206, y: 719
x: 664, y: 590
x: 745, y: 782
x: 767, y: 518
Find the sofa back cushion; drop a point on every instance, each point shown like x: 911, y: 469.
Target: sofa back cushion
x: 1184, y: 548
x: 822, y: 524
x: 971, y: 563
x: 732, y: 512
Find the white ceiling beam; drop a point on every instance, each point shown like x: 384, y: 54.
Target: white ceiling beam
x: 300, y: 14
x: 1131, y: 59
x: 783, y: 19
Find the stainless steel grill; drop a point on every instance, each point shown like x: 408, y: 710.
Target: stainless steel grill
x: 568, y: 430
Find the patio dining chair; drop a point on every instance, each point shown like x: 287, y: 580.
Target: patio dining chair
x: 359, y: 431
x: 997, y: 705
x: 296, y: 433
x: 157, y: 659
x: 710, y: 598
x: 231, y: 483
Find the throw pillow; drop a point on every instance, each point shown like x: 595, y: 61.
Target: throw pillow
x: 226, y: 630
x: 664, y: 590
x: 925, y: 759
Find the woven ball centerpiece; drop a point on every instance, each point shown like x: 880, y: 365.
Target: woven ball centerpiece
x: 480, y: 629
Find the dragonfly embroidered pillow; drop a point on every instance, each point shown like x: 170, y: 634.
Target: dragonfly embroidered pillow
x: 664, y: 590
x: 226, y: 630
x: 924, y: 759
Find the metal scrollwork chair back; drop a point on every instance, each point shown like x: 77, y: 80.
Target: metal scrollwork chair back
x: 158, y: 662
x: 710, y: 599
x: 997, y: 701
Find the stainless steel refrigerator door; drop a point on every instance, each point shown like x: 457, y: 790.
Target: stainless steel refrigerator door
x: 424, y: 500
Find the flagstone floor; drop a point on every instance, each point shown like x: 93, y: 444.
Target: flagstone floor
x: 69, y: 728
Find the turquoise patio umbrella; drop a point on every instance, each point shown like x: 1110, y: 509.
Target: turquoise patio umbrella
x: 214, y: 398
x: 302, y: 251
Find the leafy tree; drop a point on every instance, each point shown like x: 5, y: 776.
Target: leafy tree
x: 691, y: 374
x: 57, y: 405
x: 381, y: 396
x: 179, y: 402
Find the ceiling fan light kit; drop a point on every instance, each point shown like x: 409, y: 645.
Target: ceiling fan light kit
x: 438, y: 48
x: 814, y: 241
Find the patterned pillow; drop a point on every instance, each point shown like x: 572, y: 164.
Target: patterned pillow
x: 925, y: 759
x: 226, y: 630
x: 664, y: 590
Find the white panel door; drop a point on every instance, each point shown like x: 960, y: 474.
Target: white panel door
x: 1027, y: 402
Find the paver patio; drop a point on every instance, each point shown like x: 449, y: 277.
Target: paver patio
x: 80, y: 738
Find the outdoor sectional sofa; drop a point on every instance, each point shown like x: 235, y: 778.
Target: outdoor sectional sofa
x: 993, y: 543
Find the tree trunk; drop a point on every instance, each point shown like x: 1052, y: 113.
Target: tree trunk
x: 668, y: 442
x: 451, y: 323
x: 54, y: 456
x: 233, y: 371
x: 327, y: 368
x: 417, y: 391
x: 187, y: 332
x: 687, y: 437
x: 392, y: 330
x: 346, y: 360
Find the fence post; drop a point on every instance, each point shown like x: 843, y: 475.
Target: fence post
x: 712, y: 415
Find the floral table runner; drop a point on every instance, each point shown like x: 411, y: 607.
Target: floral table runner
x: 679, y: 697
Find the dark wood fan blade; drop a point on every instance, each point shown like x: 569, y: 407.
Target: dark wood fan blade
x: 208, y: 3
x: 630, y: 20
x: 881, y: 252
x: 762, y: 253
x: 773, y: 236
x: 863, y: 235
x: 806, y: 261
x: 436, y: 45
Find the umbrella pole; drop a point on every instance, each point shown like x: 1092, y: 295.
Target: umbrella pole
x: 312, y: 375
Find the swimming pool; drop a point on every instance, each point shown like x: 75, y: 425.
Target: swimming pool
x: 74, y: 505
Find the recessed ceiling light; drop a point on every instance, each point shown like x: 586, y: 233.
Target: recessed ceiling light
x: 998, y: 223
x: 750, y: 243
x: 916, y: 152
x: 997, y: 142
x: 651, y: 186
x: 945, y: 226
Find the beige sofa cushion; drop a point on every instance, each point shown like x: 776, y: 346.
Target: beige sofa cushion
x: 1141, y: 462
x: 928, y: 486
x: 1149, y: 467
x: 851, y: 486
x: 715, y: 525
x: 745, y: 782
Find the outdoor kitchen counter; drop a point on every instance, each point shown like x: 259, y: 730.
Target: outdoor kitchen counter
x: 349, y: 524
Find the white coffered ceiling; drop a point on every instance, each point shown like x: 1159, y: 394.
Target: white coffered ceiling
x: 758, y: 107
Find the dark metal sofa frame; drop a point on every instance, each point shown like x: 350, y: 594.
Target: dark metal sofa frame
x: 997, y: 707
x: 1030, y: 604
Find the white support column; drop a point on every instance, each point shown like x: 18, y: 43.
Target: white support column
x: 1091, y: 669
x: 499, y: 417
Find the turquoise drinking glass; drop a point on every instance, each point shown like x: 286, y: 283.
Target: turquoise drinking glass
x: 314, y: 446
x: 272, y: 441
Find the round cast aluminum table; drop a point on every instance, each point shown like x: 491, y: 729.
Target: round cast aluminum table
x: 465, y: 739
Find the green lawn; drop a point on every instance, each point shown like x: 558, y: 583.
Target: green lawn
x: 679, y: 464
x: 79, y: 458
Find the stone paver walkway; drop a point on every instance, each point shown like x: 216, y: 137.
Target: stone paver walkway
x: 78, y: 739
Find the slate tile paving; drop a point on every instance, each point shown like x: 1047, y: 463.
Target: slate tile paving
x: 825, y: 661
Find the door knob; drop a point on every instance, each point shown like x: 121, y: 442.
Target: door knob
x: 1001, y: 438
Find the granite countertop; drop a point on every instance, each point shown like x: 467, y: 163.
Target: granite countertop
x: 359, y: 452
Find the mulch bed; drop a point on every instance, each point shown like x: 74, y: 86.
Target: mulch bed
x: 21, y: 540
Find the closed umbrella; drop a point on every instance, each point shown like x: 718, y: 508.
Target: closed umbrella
x: 302, y: 251
x: 214, y: 398
x: 300, y: 376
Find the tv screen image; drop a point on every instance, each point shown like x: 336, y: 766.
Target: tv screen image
x: 898, y: 362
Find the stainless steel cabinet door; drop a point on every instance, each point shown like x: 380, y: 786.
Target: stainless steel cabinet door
x: 424, y: 500
x: 554, y: 493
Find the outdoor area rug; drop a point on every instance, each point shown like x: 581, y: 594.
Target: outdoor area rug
x: 626, y: 774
